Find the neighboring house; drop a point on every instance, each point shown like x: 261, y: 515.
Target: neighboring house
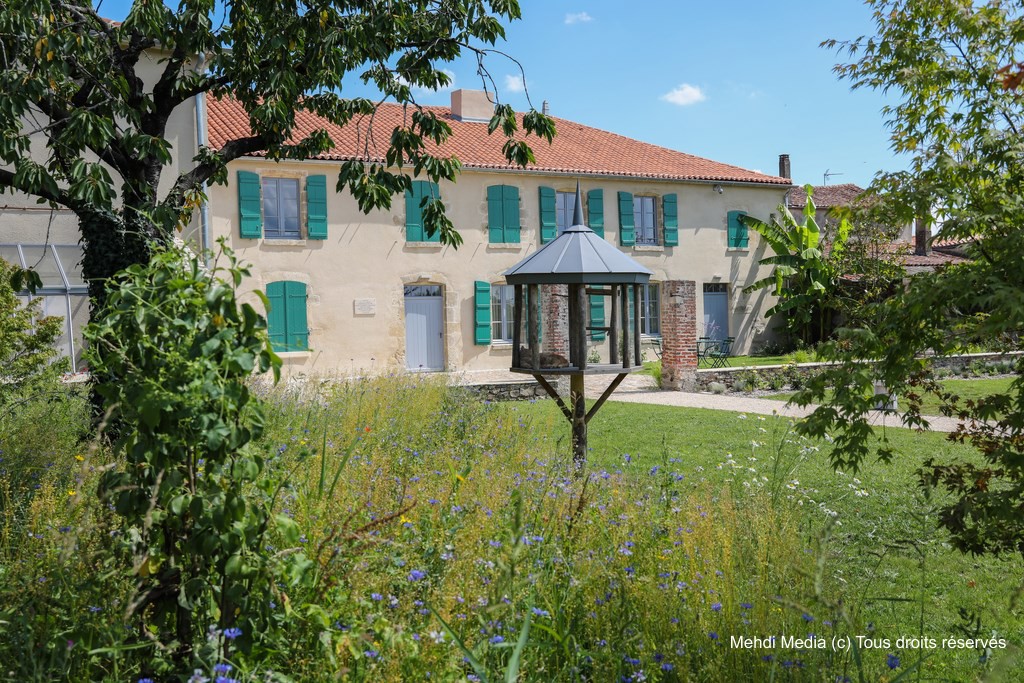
x: 352, y: 292
x: 916, y: 249
x: 828, y: 198
x: 34, y: 235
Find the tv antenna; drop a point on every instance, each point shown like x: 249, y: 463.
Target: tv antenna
x: 828, y: 175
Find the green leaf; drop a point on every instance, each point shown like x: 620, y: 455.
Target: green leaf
x: 288, y: 529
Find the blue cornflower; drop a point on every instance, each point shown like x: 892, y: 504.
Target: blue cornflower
x: 371, y: 654
x: 496, y: 639
x: 145, y: 680
x: 417, y: 575
x: 538, y: 612
x: 892, y: 661
x: 232, y: 633
x: 221, y: 668
x: 746, y: 605
x: 808, y: 618
x: 666, y: 666
x: 94, y: 609
x: 716, y: 607
x: 376, y: 596
x: 713, y: 636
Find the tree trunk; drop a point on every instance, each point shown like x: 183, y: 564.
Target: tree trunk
x: 109, y: 246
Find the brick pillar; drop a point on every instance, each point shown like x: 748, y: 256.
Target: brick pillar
x: 679, y: 334
x: 554, y: 304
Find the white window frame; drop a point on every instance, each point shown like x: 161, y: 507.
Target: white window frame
x: 646, y: 233
x: 646, y: 305
x: 279, y: 233
x: 565, y: 206
x: 502, y: 313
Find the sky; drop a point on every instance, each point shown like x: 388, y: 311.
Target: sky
x: 736, y: 81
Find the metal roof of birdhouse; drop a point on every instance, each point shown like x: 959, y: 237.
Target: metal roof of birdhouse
x: 577, y: 256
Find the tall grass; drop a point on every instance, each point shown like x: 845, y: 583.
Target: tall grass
x: 447, y: 539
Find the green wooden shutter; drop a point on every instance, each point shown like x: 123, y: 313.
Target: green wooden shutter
x: 481, y: 313
x: 275, y: 316
x: 295, y: 316
x: 250, y: 206
x: 503, y: 214
x: 595, y: 211
x: 510, y: 212
x: 738, y: 237
x: 495, y: 215
x: 414, y: 212
x: 597, y: 316
x: 316, y: 207
x: 548, y: 225
x: 670, y: 211
x: 627, y: 229
x: 414, y: 228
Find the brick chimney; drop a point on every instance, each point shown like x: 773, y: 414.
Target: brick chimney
x: 784, y: 171
x: 922, y: 247
x: 472, y: 105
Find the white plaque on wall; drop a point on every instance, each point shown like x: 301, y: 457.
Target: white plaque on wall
x: 365, y: 306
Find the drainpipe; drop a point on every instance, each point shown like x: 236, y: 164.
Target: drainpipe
x: 201, y: 141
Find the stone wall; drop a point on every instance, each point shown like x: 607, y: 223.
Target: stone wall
x: 507, y: 391
x: 779, y: 376
x: 679, y: 334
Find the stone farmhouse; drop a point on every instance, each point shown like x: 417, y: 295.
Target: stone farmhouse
x: 353, y: 293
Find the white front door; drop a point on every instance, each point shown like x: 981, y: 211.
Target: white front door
x: 716, y: 311
x: 424, y: 328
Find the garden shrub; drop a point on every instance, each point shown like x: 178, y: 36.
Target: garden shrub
x: 174, y: 350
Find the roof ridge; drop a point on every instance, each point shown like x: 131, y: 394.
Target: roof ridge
x: 577, y: 149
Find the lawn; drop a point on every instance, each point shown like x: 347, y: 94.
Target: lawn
x: 965, y: 389
x: 455, y: 531
x: 884, y: 551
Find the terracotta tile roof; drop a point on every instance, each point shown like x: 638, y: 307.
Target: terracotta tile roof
x: 826, y: 196
x: 577, y: 149
x: 951, y: 242
x: 936, y: 258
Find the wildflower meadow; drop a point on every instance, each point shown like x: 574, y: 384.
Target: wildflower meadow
x: 443, y: 538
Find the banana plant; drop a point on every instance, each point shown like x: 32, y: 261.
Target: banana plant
x: 803, y: 277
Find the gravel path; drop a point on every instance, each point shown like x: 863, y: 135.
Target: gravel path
x: 635, y: 389
x: 638, y: 388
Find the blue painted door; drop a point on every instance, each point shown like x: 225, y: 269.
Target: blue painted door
x: 716, y: 314
x: 424, y: 328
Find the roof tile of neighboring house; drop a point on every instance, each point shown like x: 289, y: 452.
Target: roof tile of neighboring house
x: 909, y: 258
x: 577, y: 149
x: 826, y: 196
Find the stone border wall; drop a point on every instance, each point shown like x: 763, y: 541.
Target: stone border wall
x: 507, y: 391
x: 769, y: 374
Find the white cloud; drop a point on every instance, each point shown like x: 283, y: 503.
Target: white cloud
x: 578, y: 18
x: 684, y: 95
x: 513, y: 84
